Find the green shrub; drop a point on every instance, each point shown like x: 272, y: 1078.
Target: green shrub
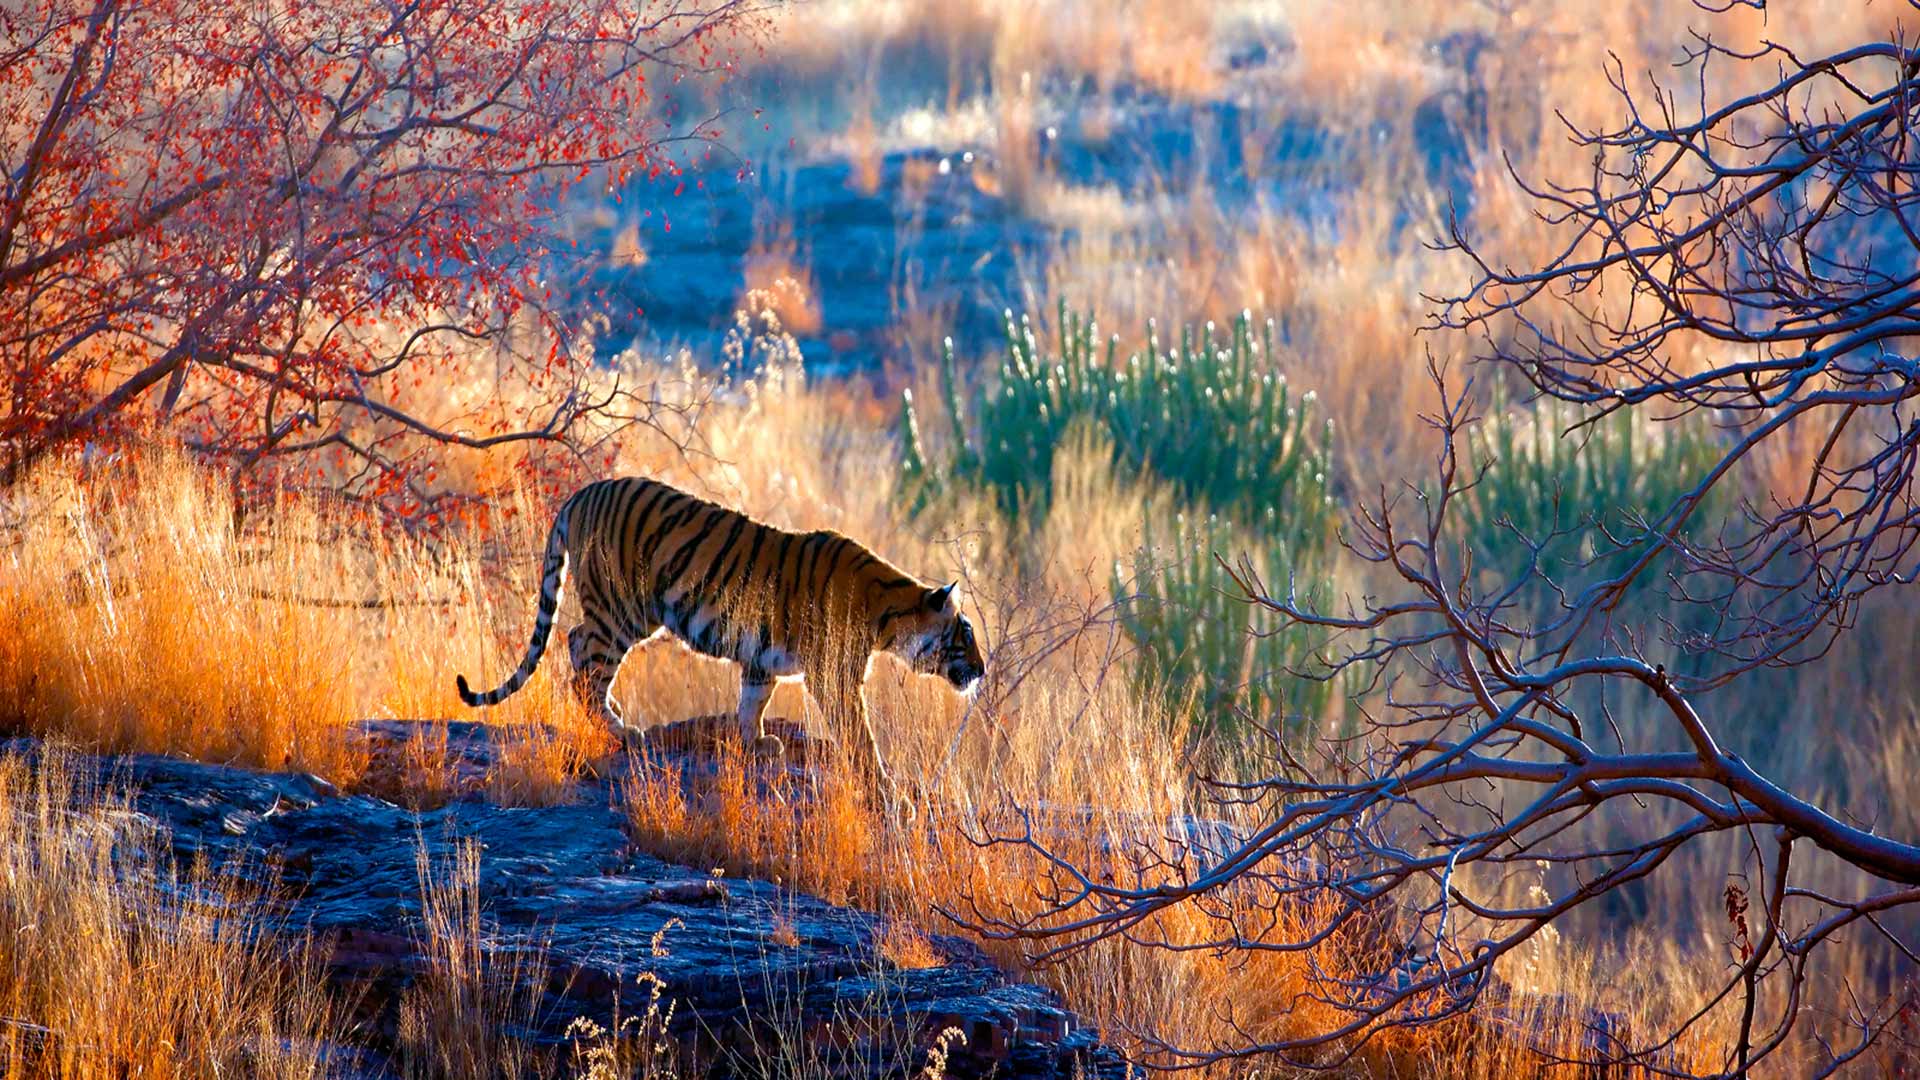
x: 1212, y: 419
x: 1586, y: 495
x: 1200, y: 642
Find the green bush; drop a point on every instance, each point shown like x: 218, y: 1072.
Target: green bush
x: 1211, y: 419
x: 1585, y: 495
x: 1200, y: 642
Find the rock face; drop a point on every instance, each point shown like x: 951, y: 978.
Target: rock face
x: 755, y: 972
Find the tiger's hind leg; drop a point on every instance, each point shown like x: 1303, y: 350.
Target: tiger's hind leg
x: 596, y: 654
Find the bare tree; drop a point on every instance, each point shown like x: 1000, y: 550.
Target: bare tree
x: 1761, y: 260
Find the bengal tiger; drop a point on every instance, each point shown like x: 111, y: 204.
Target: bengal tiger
x: 651, y: 559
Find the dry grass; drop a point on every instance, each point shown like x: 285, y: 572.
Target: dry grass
x: 135, y: 613
x: 1059, y: 723
x: 905, y: 946
x: 113, y: 963
x: 460, y: 1019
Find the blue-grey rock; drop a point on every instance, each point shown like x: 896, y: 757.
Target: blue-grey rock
x: 745, y: 961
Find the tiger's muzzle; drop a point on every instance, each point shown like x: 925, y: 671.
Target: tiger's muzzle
x: 963, y: 673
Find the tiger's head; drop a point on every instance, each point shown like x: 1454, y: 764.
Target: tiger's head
x: 937, y: 640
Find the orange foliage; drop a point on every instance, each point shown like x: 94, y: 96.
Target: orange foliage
x: 216, y: 224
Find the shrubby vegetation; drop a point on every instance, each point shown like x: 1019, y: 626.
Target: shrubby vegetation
x: 1575, y: 495
x: 1216, y: 422
x: 1198, y: 637
x: 1214, y: 418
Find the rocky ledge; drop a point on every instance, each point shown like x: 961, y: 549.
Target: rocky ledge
x: 750, y: 968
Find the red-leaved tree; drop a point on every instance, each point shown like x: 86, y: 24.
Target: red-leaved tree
x: 309, y: 238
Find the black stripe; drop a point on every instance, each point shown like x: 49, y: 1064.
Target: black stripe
x: 650, y: 549
x: 819, y: 544
x: 840, y: 545
x: 629, y: 517
x: 594, y: 555
x: 682, y: 559
x: 887, y: 617
x: 776, y: 579
x: 629, y: 598
x: 589, y: 512
x: 637, y: 572
x: 626, y: 535
x: 741, y: 566
x: 791, y: 544
x: 711, y: 576
x: 883, y: 585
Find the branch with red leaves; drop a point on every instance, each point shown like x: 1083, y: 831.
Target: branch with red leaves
x: 285, y: 234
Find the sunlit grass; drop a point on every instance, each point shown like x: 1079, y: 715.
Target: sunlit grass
x: 114, y: 962
x: 136, y: 613
x: 217, y: 614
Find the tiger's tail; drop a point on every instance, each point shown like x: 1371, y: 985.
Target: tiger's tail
x: 553, y: 578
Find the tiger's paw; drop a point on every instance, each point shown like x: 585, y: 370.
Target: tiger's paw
x: 900, y: 809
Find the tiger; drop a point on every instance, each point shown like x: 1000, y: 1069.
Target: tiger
x: 651, y: 560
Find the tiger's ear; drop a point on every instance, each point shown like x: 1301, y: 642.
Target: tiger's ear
x: 937, y: 599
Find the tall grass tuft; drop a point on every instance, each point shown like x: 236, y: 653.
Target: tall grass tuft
x: 460, y: 1019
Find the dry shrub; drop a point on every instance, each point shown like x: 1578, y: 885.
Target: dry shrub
x: 779, y: 281
x: 542, y: 764
x: 905, y: 945
x: 635, y: 1047
x: 810, y: 833
x: 115, y: 963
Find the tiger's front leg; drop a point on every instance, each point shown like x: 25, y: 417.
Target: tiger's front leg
x: 837, y: 689
x: 756, y: 690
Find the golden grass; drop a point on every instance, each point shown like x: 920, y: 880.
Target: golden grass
x: 1073, y: 732
x: 130, y: 618
x: 459, y: 1020
x: 136, y: 614
x: 904, y: 945
x: 778, y: 279
x: 113, y: 963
